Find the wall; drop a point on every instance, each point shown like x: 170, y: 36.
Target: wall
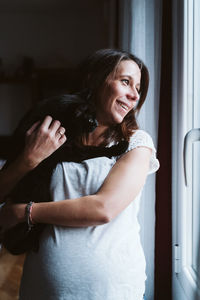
x: 55, y: 34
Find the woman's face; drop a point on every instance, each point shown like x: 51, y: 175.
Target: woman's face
x: 120, y: 93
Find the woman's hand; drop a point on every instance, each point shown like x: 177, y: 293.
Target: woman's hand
x: 43, y: 140
x: 11, y: 214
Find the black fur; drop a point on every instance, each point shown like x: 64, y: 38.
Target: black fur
x: 74, y: 115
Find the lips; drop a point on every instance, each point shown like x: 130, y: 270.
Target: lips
x: 124, y: 105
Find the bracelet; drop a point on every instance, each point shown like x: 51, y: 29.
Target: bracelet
x: 29, y: 219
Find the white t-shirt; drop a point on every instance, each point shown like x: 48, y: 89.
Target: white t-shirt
x: 104, y: 262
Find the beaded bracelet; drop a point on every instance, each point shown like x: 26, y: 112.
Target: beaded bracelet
x: 29, y: 219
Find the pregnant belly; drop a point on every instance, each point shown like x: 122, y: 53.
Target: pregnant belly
x: 69, y: 264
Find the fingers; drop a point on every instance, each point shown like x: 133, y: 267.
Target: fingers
x: 44, y: 126
x: 42, y: 140
x: 60, y: 132
x: 62, y: 140
x: 33, y: 127
x: 55, y: 129
x: 46, y: 123
x: 49, y: 125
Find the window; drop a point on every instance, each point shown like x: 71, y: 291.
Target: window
x: 186, y: 140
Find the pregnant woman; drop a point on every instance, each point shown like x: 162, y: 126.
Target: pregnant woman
x: 90, y: 248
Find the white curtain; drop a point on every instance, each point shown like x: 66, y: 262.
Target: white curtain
x: 140, y: 33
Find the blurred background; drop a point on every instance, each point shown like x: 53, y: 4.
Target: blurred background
x: 41, y: 41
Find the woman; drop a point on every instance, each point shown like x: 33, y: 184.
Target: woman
x: 91, y: 248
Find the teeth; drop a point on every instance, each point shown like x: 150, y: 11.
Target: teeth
x: 124, y: 106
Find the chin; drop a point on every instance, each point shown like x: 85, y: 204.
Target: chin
x: 118, y: 119
x: 115, y: 121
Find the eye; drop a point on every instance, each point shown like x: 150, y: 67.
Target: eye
x: 125, y: 81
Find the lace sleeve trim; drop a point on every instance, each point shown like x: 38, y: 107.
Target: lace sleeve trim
x: 142, y: 139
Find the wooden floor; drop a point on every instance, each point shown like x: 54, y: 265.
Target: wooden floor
x: 10, y: 274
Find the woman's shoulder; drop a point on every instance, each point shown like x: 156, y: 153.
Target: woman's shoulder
x: 141, y: 138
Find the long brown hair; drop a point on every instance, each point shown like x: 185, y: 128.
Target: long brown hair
x: 93, y: 73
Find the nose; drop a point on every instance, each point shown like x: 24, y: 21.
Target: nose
x: 133, y: 94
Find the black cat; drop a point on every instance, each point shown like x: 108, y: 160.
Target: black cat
x: 73, y: 113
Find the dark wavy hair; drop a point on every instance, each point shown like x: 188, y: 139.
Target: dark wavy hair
x: 93, y: 73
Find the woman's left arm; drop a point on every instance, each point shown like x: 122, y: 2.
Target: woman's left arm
x: 125, y: 180
x: 121, y: 186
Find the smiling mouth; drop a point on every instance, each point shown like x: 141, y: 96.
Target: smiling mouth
x: 124, y: 106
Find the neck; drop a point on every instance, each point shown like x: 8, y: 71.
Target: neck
x: 95, y: 138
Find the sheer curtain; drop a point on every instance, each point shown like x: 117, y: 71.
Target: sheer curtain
x: 140, y: 33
